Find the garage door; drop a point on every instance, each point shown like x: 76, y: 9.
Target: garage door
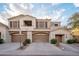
x: 40, y: 37
x: 18, y: 38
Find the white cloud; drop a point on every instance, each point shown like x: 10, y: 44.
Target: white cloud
x: 76, y: 4
x: 15, y: 9
x: 44, y: 17
x: 41, y: 12
x: 54, y: 4
x: 57, y: 14
x: 2, y: 20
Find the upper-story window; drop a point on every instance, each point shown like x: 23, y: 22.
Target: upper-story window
x: 10, y: 24
x: 27, y: 23
x: 45, y: 24
x: 14, y: 24
x: 56, y: 25
x: 41, y: 25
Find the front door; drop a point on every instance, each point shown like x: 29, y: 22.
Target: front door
x: 59, y: 37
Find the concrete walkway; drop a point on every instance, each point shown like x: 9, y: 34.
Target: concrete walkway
x: 76, y: 46
x: 35, y: 49
x: 69, y: 47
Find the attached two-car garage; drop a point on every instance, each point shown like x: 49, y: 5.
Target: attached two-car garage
x: 37, y: 36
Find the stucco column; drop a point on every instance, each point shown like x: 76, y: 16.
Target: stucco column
x: 50, y: 36
x: 29, y: 35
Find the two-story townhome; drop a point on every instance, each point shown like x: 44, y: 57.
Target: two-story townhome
x: 59, y: 32
x: 23, y: 27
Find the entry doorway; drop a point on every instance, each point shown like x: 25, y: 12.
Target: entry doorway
x: 59, y: 37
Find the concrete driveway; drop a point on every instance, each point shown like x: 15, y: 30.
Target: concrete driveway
x: 34, y: 49
x: 9, y: 47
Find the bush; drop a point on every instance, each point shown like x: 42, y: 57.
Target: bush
x: 1, y: 41
x: 71, y: 41
x: 76, y: 40
x: 53, y: 41
x: 27, y: 41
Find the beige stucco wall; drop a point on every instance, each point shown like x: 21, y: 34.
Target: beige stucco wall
x: 53, y: 27
x: 66, y: 33
x: 22, y: 27
x: 27, y: 28
x: 4, y: 33
x: 30, y: 28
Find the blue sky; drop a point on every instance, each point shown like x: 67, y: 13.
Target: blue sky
x: 55, y: 11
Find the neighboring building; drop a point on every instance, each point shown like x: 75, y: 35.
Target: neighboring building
x: 37, y: 30
x: 4, y: 34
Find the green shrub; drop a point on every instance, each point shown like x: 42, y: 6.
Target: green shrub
x: 71, y: 41
x: 1, y: 41
x: 27, y: 41
x: 53, y: 41
x: 76, y: 41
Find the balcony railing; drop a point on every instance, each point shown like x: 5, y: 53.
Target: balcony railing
x: 41, y: 27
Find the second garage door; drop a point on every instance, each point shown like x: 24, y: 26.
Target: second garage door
x: 18, y: 38
x: 40, y: 37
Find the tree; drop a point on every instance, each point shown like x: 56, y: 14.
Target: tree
x: 74, y: 20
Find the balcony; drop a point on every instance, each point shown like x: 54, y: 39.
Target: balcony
x: 41, y: 25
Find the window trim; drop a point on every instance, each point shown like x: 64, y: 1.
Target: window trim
x: 13, y: 26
